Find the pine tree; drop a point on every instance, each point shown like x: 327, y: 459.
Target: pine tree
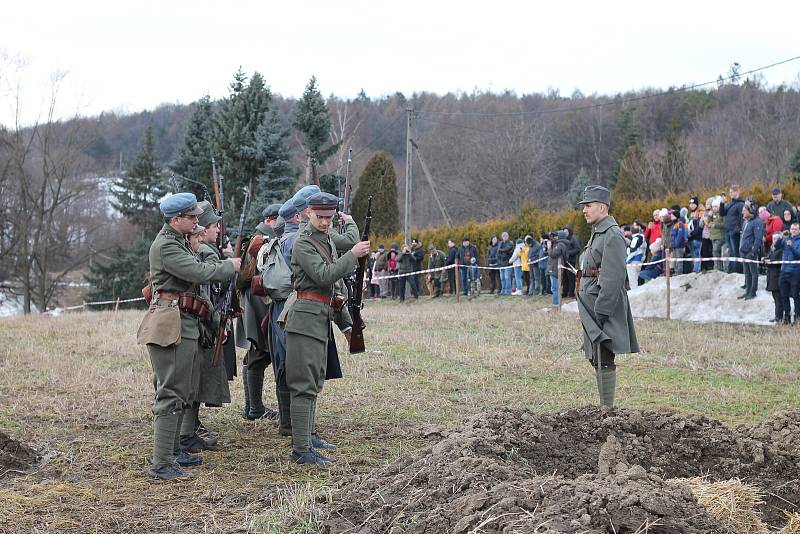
x: 278, y: 175
x: 629, y: 126
x: 379, y: 181
x: 233, y: 141
x: 312, y: 119
x: 120, y: 273
x: 194, y: 157
x: 137, y: 193
x: 575, y: 193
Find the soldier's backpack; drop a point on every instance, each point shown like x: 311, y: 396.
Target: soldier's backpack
x: 276, y: 275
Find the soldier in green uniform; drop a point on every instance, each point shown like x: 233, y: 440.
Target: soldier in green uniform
x: 249, y: 333
x: 316, y: 266
x: 436, y: 260
x: 171, y: 328
x: 213, y: 387
x: 603, y: 298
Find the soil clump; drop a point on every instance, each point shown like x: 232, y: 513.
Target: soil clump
x: 589, y: 470
x: 15, y: 457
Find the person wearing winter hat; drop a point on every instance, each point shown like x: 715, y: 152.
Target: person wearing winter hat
x: 750, y: 249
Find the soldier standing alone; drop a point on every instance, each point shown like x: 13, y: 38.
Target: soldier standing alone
x: 171, y: 327
x: 603, y: 298
x: 315, y: 269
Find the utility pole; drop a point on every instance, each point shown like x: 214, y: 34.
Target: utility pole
x: 409, y: 161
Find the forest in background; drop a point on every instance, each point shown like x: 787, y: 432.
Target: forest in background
x: 488, y: 154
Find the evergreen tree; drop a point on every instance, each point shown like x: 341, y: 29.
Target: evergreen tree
x: 312, y: 119
x: 233, y: 140
x: 380, y: 182
x: 137, y: 193
x: 121, y: 273
x: 194, y: 157
x: 575, y: 193
x: 629, y: 126
x: 278, y: 176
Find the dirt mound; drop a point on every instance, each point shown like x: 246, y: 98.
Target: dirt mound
x: 583, y: 470
x: 15, y: 456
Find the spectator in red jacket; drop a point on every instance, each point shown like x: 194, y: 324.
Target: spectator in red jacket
x: 773, y: 224
x: 653, y: 230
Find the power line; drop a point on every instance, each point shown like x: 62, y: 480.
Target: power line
x: 612, y: 102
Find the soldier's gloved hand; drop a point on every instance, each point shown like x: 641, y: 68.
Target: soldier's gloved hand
x: 237, y: 263
x: 360, y: 249
x: 601, y: 320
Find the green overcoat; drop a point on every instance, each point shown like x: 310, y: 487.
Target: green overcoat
x: 603, y: 301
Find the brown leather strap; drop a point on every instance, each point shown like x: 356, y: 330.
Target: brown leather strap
x: 319, y: 297
x: 166, y: 295
x: 590, y: 273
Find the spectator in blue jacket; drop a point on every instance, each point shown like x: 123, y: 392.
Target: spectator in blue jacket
x: 750, y: 248
x: 790, y: 272
x: 677, y: 237
x: 732, y: 212
x: 466, y: 252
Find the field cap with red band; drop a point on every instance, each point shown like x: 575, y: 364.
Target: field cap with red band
x: 323, y: 204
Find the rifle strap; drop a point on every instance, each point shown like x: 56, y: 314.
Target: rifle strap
x: 321, y: 248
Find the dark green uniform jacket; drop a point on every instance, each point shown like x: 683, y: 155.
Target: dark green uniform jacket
x: 175, y: 268
x: 437, y: 260
x: 605, y: 296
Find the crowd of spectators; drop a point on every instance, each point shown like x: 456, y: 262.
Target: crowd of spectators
x: 724, y: 226
x: 751, y: 238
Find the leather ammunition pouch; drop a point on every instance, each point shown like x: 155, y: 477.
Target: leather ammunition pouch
x: 257, y: 286
x: 193, y: 305
x: 147, y: 293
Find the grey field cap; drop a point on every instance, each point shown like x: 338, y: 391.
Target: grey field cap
x: 596, y: 193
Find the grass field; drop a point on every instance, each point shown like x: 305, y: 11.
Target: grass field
x: 78, y: 388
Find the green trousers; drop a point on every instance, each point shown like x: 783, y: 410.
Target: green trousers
x: 214, y: 388
x: 176, y: 379
x: 306, y: 359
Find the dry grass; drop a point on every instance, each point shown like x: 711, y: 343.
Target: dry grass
x: 792, y: 524
x: 79, y: 387
x: 731, y: 502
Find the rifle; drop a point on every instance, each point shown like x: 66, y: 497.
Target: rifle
x: 230, y: 307
x: 355, y: 303
x: 219, y: 196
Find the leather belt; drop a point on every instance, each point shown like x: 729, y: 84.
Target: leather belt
x: 166, y: 295
x: 590, y: 273
x: 336, y: 302
x: 319, y: 297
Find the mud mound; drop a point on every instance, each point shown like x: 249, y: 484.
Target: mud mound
x: 583, y: 470
x: 15, y: 456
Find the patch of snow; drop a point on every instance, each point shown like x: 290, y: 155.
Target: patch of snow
x: 707, y: 297
x: 9, y: 305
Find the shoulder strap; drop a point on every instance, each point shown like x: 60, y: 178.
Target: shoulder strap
x: 320, y: 246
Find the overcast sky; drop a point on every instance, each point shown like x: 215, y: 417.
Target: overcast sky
x: 129, y: 56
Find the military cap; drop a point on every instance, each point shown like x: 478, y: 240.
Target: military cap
x: 271, y: 211
x: 180, y: 204
x: 209, y: 216
x: 301, y: 197
x: 288, y: 210
x: 596, y: 193
x: 197, y: 229
x: 279, y: 226
x: 323, y: 204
